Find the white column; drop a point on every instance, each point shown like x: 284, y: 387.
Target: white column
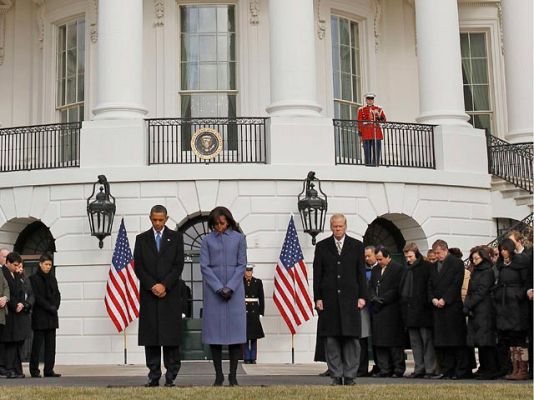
x: 518, y: 44
x: 120, y: 60
x: 293, y: 75
x: 441, y: 99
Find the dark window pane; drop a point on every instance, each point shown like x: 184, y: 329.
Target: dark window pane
x: 81, y: 34
x: 71, y: 35
x: 480, y: 70
x: 71, y: 62
x: 464, y: 44
x: 344, y: 32
x: 345, y: 59
x: 477, y: 44
x: 189, y: 48
x: 190, y: 76
x: 81, y: 82
x: 481, y: 97
x: 346, y: 87
x: 468, y: 98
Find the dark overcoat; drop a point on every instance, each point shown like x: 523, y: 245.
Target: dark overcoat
x: 416, y: 309
x: 18, y: 324
x: 159, y: 318
x: 449, y: 322
x: 387, y: 327
x: 510, y: 294
x: 481, y: 329
x: 47, y: 301
x: 223, y: 257
x: 255, y: 302
x: 339, y: 281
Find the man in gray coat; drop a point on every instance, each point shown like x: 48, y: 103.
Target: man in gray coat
x: 340, y: 292
x: 159, y: 261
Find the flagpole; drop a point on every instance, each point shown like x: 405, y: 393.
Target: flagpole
x: 125, y: 348
x: 292, y: 348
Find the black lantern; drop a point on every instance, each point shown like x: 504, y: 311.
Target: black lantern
x: 312, y: 208
x: 101, y: 210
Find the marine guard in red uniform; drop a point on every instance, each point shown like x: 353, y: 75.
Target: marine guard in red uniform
x: 369, y: 129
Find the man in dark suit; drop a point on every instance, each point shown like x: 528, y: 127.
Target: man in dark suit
x: 255, y: 304
x: 159, y: 261
x: 340, y: 292
x: 389, y: 337
x: 450, y: 329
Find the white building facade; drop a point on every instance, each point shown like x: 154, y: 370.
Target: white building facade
x: 448, y: 69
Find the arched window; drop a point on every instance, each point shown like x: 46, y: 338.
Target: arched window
x: 384, y: 232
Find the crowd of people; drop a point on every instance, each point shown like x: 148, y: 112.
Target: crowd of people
x: 439, y: 306
x: 28, y: 308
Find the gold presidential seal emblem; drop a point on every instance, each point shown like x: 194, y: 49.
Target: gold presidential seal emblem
x: 206, y: 143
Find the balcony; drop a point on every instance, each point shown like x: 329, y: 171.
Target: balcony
x: 40, y: 147
x: 206, y: 140
x: 403, y: 144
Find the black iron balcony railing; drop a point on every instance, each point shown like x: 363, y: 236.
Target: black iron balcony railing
x: 511, y: 161
x: 243, y: 140
x: 403, y: 144
x: 40, y: 147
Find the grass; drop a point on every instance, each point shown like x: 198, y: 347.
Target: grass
x: 359, y: 392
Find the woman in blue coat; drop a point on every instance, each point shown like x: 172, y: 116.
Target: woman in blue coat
x: 223, y: 257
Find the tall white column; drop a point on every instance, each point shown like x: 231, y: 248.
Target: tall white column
x: 293, y: 75
x: 518, y: 44
x: 441, y: 99
x: 120, y: 60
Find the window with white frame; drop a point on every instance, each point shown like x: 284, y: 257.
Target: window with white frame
x: 208, y: 61
x: 346, y: 67
x: 476, y: 79
x: 70, y: 75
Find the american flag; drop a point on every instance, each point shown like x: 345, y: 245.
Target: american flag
x: 122, y: 291
x: 291, y: 290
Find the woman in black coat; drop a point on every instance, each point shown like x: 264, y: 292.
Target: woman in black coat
x: 511, y: 305
x: 44, y: 318
x: 478, y: 307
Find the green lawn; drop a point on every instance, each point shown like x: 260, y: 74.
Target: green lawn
x: 359, y: 392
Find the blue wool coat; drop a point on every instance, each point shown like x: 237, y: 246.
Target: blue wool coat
x: 223, y: 257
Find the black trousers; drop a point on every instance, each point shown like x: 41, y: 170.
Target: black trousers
x: 487, y: 357
x: 2, y: 353
x: 454, y: 361
x: 171, y: 361
x: 48, y: 337
x: 363, y: 368
x: 12, y: 356
x: 390, y: 360
x: 234, y: 351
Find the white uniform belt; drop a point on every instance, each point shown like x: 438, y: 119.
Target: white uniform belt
x: 252, y: 300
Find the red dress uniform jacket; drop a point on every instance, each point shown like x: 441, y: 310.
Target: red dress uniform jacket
x: 370, y: 130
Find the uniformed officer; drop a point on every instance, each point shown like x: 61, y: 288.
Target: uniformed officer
x: 255, y: 303
x: 369, y: 118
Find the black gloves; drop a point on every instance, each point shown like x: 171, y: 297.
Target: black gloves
x: 226, y: 293
x: 53, y: 310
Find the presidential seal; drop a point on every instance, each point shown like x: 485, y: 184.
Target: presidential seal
x: 206, y: 143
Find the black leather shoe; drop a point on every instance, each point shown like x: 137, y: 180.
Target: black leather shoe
x: 36, y: 375
x: 363, y: 374
x: 382, y: 375
x: 415, y: 376
x: 219, y: 379
x: 14, y: 375
x: 336, y: 382
x: 441, y: 376
x: 349, y: 382
x: 325, y: 373
x: 232, y: 380
x: 169, y: 384
x: 152, y: 383
x: 52, y: 375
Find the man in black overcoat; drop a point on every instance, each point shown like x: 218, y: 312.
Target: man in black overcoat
x: 255, y: 303
x: 340, y: 292
x: 450, y: 330
x: 18, y: 323
x: 159, y: 261
x: 44, y: 318
x: 389, y: 337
